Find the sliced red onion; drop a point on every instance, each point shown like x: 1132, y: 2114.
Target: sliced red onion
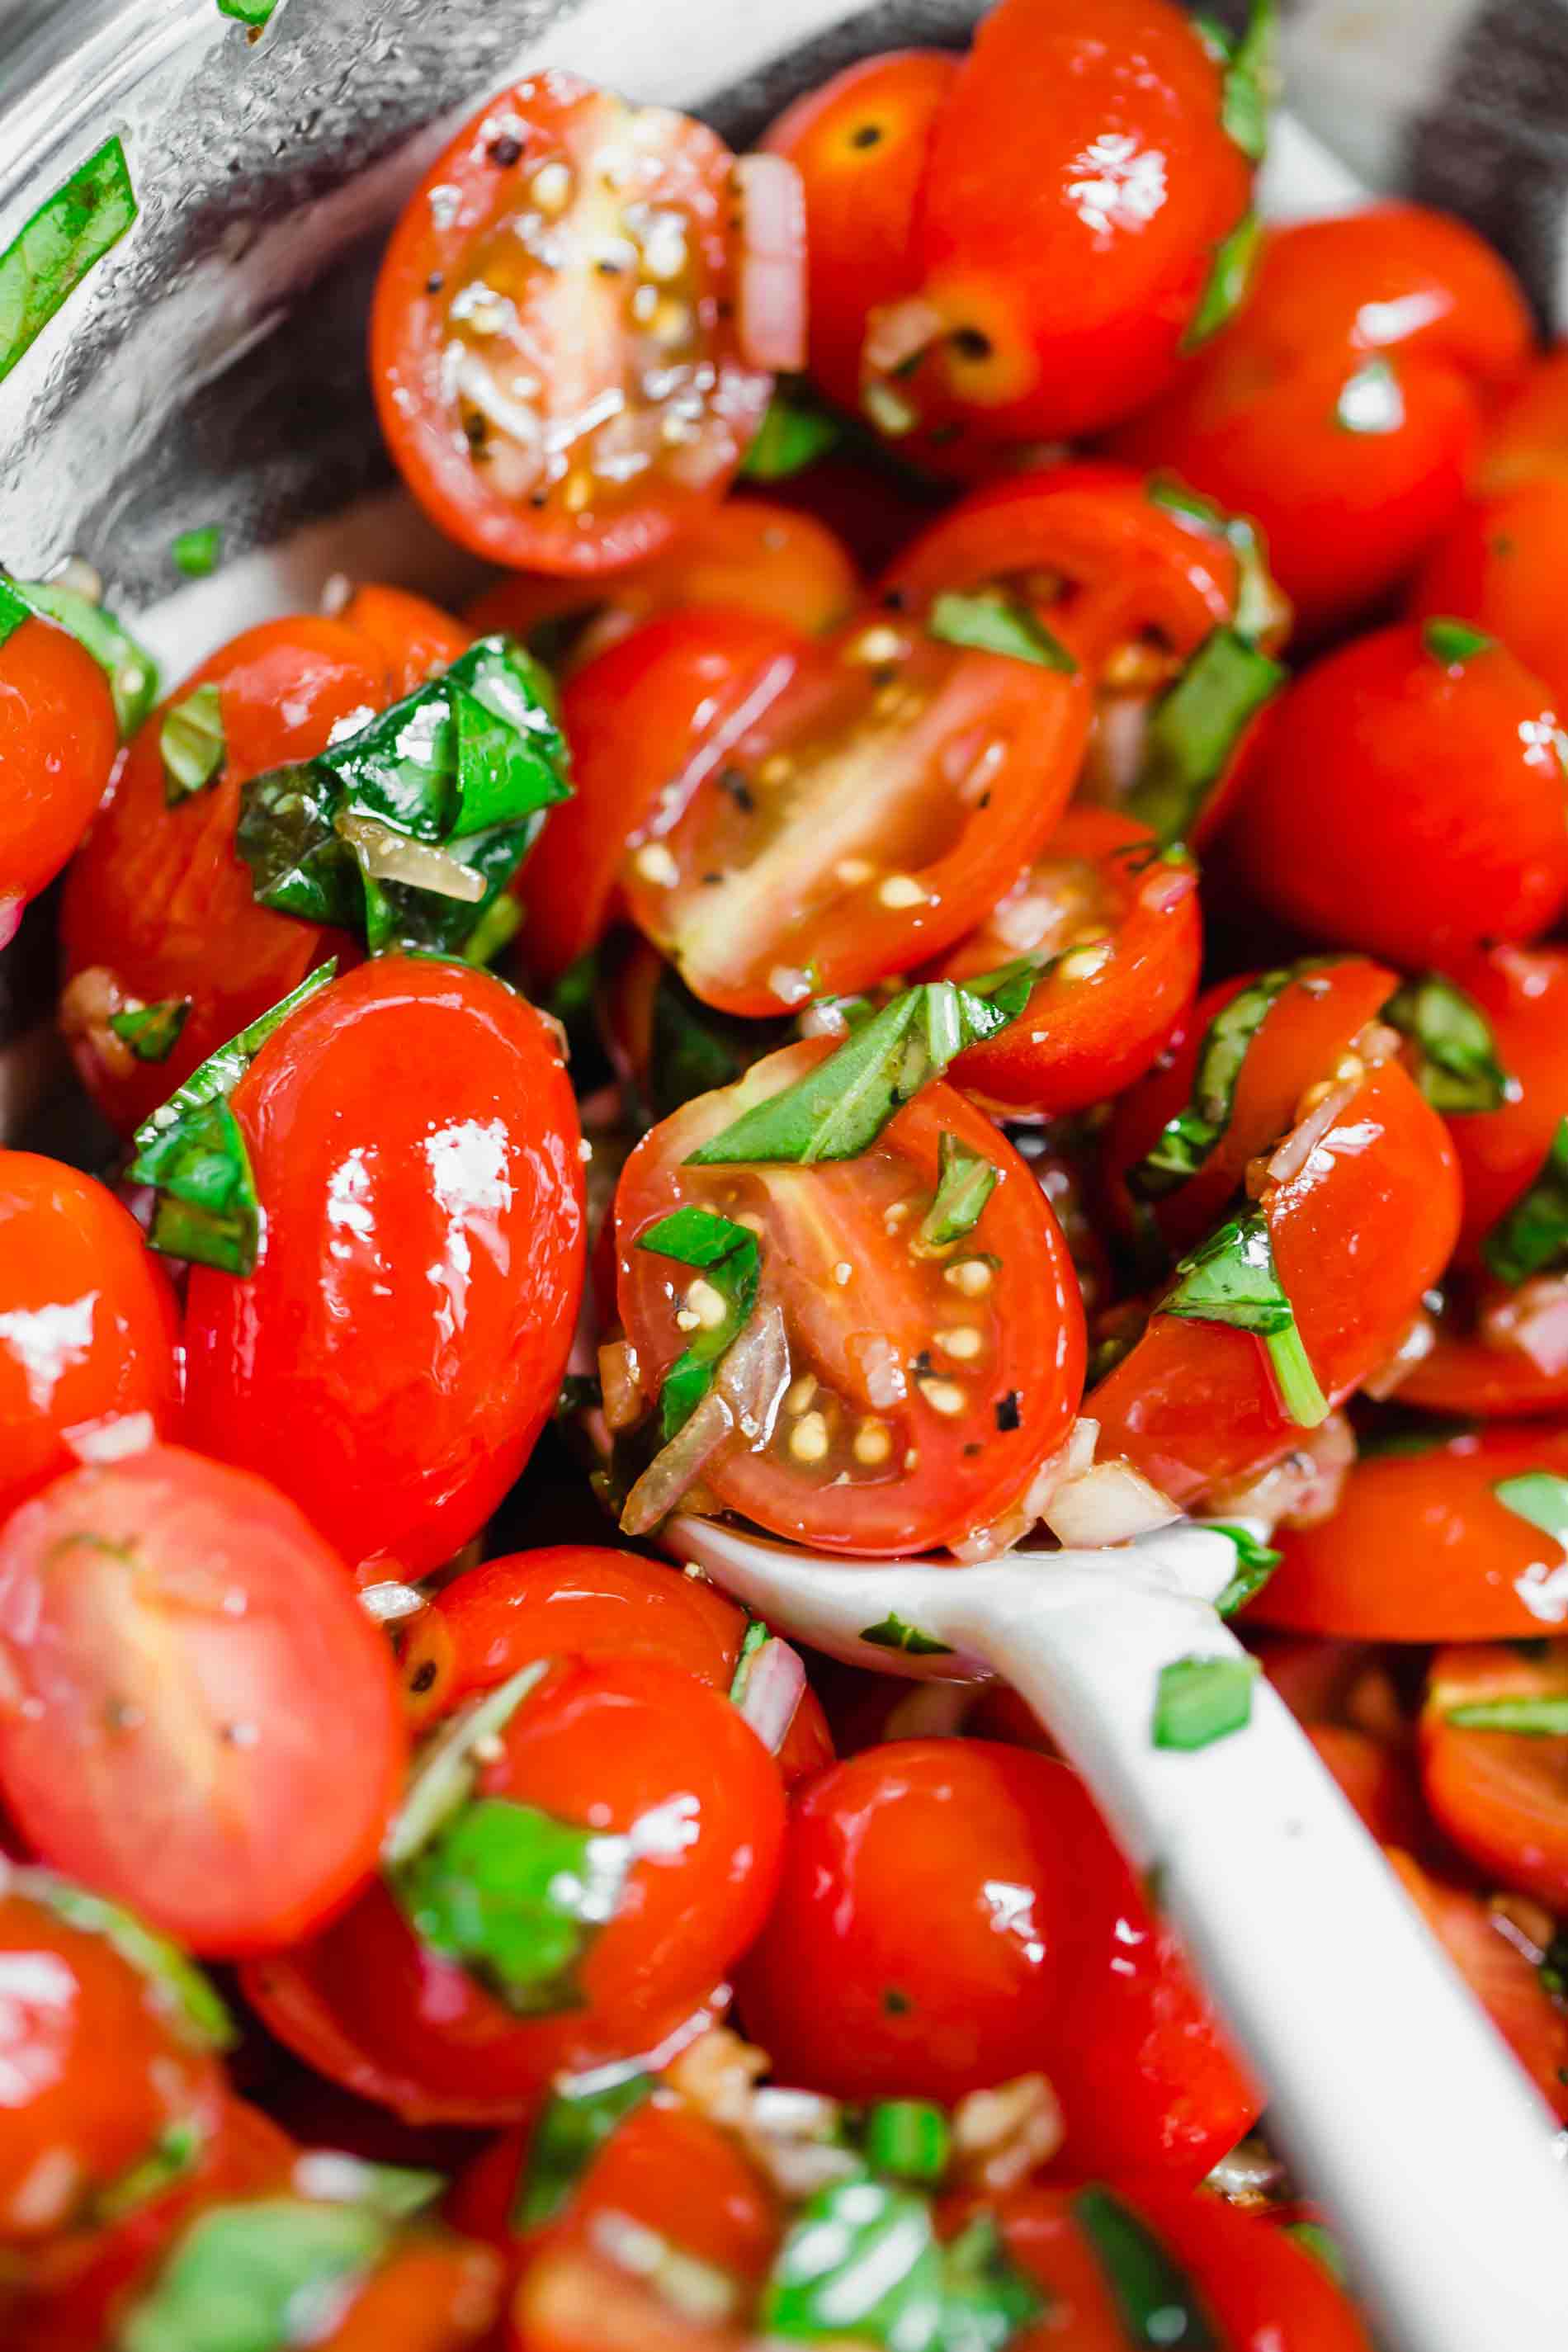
x: 1291, y: 1156
x: 620, y: 1385
x: 11, y: 913
x: 1534, y: 1319
x: 391, y: 856
x: 770, y: 305
x: 743, y: 1401
x: 774, y: 1682
x: 1108, y: 1505
x: 895, y: 331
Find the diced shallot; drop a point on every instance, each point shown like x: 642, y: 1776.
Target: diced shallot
x: 1108, y: 1505
x: 390, y: 856
x: 775, y: 1680
x: 1534, y: 1320
x: 771, y: 286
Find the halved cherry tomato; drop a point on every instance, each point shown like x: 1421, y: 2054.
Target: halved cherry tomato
x: 952, y: 1913
x: 1358, y: 1233
x: 1422, y: 1550
x: 414, y: 637
x: 414, y: 1116
x: 607, y: 1743
x: 1475, y: 1366
x: 1408, y: 799
x: 1524, y: 994
x: 57, y: 742
x: 231, y: 1713
x: 1501, y: 1796
x: 1501, y: 566
x: 87, y: 1322
x: 1118, y: 925
x: 925, y: 1390
x: 1504, y: 1979
x: 574, y: 325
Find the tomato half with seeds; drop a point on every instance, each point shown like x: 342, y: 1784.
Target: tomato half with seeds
x: 232, y: 1714
x: 924, y: 1389
x: 413, y: 1115
x: 1504, y: 1979
x: 1423, y: 1548
x: 1116, y: 925
x: 576, y: 322
x: 1501, y: 1795
x: 58, y: 744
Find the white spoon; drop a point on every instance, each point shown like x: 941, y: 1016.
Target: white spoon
x: 1391, y: 2089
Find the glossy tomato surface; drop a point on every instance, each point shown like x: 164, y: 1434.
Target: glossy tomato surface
x: 1504, y: 1979
x: 1501, y: 1795
x: 57, y: 742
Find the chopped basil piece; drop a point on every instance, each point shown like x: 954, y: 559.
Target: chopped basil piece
x: 907, y: 2139
x: 1255, y: 1564
x: 152, y: 1031
x: 495, y: 928
x: 254, y: 13
x: 986, y: 2299
x: 1231, y: 1278
x: 1155, y: 2300
x: 45, y: 263
x: 1260, y: 607
x: 893, y: 1633
x: 178, y: 1987
x: 965, y: 1180
x: 191, y: 743
x: 256, y: 2277
x: 175, y: 2153
x: 133, y: 673
x: 1194, y: 728
x: 1539, y: 1496
x: 1200, y: 1700
x: 1543, y: 1716
x: 447, y: 1765
x: 13, y: 610
x: 1314, y: 2240
x: 990, y: 623
x: 398, y: 2192
x: 1458, y: 1068
x: 570, y: 2133
x: 859, y: 2259
x: 693, y: 1050
x: 1251, y: 80
x: 840, y: 1109
x: 1224, y: 289
x: 731, y: 1268
x: 198, y: 552
x: 1532, y: 1236
x: 756, y: 1637
x: 1453, y: 643
x: 1185, y: 1140
x: 1370, y: 401
x: 793, y: 433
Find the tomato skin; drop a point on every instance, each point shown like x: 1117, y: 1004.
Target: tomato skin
x: 1504, y: 1981
x: 418, y: 1113
x: 1468, y: 1376
x: 575, y: 2299
x: 1408, y: 807
x: 58, y: 744
x: 1421, y: 1551
x: 1501, y: 1796
x: 438, y: 246
x: 604, y: 1740
x: 432, y: 2294
x: 1527, y: 433
x: 414, y: 637
x: 1523, y: 992
x: 1500, y: 565
x: 88, y: 1328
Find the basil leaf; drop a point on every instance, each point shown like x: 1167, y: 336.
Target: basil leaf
x: 989, y: 621
x: 132, y: 672
x: 694, y: 1050
x: 1185, y: 1140
x: 1532, y: 1236
x: 1542, y: 1717
x: 1370, y: 401
x: 198, y: 552
x: 1251, y: 80
x: 1200, y: 1700
x: 986, y: 2299
x: 965, y: 1180
x: 861, y: 2260
x: 152, y: 1031
x: 397, y: 2192
x: 1255, y: 1564
x: 1231, y: 1278
x: 1452, y: 644
x: 1314, y: 2240
x: 254, y: 13
x: 256, y: 2277
x: 756, y: 1637
x: 191, y: 743
x: 793, y: 434
x: 175, y: 2153
x: 1157, y: 2303
x: 446, y: 1766
x: 907, y: 2139
x: 893, y: 1633
x: 71, y: 231
x: 1194, y: 728
x: 178, y: 1987
x: 573, y: 2128
x: 1260, y: 608
x: 731, y: 1265
x: 1539, y: 1496
x: 1225, y: 287
x: 1554, y: 1970
x: 1458, y: 1070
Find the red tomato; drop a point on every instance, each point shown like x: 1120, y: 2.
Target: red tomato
x: 575, y: 2299
x: 952, y: 1913
x: 1524, y: 994
x: 1358, y: 1232
x: 926, y: 1392
x: 231, y: 1713
x: 860, y: 143
x: 1501, y: 1796
x: 57, y: 742
x: 1502, y: 566
x: 1527, y: 434
x: 415, y: 1116
x: 1379, y: 1780
x: 606, y: 1743
x: 414, y: 637
x: 1472, y: 1371
x: 567, y: 330
x: 431, y: 2293
x: 1409, y: 803
x: 1420, y: 1549
x: 1504, y: 1980
x: 86, y: 1327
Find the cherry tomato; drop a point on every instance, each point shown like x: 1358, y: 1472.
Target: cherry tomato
x: 1527, y: 433
x: 414, y: 1116
x: 1501, y: 1796
x: 952, y: 1913
x: 607, y: 1743
x: 231, y: 1713
x: 1358, y: 1233
x: 57, y: 742
x: 1504, y: 1979
x: 574, y: 325
x: 576, y: 2300
x: 860, y: 143
x: 86, y: 1327
x: 1500, y: 565
x: 414, y: 637
x: 431, y: 2293
x: 1408, y: 799
x: 1379, y: 1780
x: 1422, y: 1549
x: 925, y: 1391
x: 1476, y: 1366
x: 1523, y: 995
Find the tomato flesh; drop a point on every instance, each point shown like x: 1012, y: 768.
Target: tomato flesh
x: 1501, y: 1796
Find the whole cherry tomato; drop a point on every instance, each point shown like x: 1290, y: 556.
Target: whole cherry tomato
x: 1504, y: 1979
x: 414, y: 1116
x: 231, y: 1713
x: 1408, y: 798
x: 925, y: 1385
x: 575, y: 324
x: 1500, y: 1794
x: 1500, y: 565
x: 87, y: 1325
x: 634, y: 1749
x: 57, y: 742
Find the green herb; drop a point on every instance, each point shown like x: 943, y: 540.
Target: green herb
x: 965, y: 1180
x: 1554, y: 1976
x: 398, y: 2192
x: 1157, y: 2303
x: 446, y: 1767
x: 1370, y: 401
x: 840, y: 1109
x: 1532, y: 1236
x: 990, y: 623
x: 860, y: 2259
x: 173, y: 2154
x: 178, y: 1986
x: 1539, y: 1496
x: 1231, y: 1278
x: 254, y: 13
x: 1458, y: 1070
x: 191, y: 743
x: 1194, y: 728
x: 907, y: 2139
x: 1402, y: 1435
x: 694, y: 1050
x: 1453, y: 643
x: 1260, y: 609
x: 756, y: 1637
x: 1251, y: 78
x: 1314, y: 2240
x: 793, y: 433
x: 1187, y: 1139
x: 133, y: 673
x: 1255, y: 1564
x: 495, y: 928
x: 1540, y: 1717
x: 731, y: 1264
x: 13, y: 610
x: 1225, y: 287
x: 152, y: 1031
x: 43, y: 266
x: 570, y: 2133
x: 198, y: 552
x: 256, y: 2277
x: 893, y: 1633
x: 1200, y: 1700
x: 986, y: 2299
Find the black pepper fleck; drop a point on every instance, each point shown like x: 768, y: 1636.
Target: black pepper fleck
x: 1009, y: 1415
x: 505, y: 153
x: 424, y: 1674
